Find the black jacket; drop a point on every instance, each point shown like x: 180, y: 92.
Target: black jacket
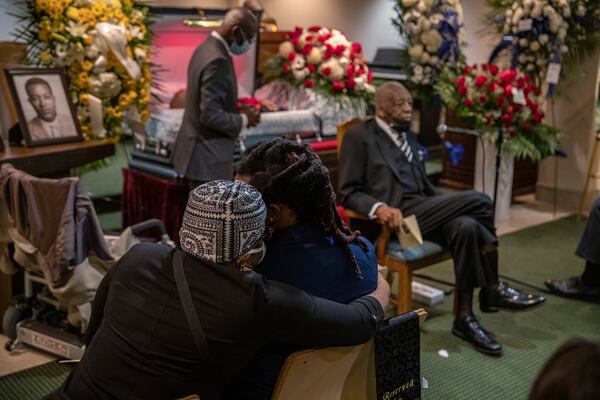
x: 204, y: 146
x: 140, y: 345
x: 369, y: 168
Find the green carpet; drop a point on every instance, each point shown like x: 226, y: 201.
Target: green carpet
x: 529, y: 338
x: 34, y: 383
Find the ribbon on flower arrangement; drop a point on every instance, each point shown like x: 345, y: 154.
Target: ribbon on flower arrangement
x: 449, y: 27
x: 553, y: 72
x: 505, y: 43
x: 455, y: 152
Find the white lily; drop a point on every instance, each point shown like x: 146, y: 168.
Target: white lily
x: 77, y: 29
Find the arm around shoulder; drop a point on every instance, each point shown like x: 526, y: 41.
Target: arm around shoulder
x: 290, y: 315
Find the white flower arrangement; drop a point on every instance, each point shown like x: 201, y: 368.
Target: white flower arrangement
x: 434, y: 30
x: 322, y: 59
x: 548, y: 31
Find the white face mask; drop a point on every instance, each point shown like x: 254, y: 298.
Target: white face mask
x: 262, y: 250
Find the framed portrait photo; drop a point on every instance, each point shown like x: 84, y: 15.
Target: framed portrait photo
x: 46, y: 113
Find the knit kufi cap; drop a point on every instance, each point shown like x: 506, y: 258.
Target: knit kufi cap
x: 223, y: 221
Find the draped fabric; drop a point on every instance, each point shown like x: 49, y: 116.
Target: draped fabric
x: 146, y: 196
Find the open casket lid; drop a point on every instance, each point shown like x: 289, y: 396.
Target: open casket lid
x: 177, y: 33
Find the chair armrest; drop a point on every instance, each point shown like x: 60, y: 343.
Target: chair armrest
x: 384, y: 237
x: 355, y: 215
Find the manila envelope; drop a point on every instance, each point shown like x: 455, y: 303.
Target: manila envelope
x: 409, y: 233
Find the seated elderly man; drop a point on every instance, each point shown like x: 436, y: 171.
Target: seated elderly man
x: 381, y: 175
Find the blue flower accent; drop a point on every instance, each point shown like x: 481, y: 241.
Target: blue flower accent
x: 455, y: 152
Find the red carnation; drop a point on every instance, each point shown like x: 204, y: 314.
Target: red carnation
x: 538, y: 116
x: 309, y: 83
x: 462, y: 90
x: 508, y: 76
x: 356, y: 48
x: 324, y: 38
x: 526, y: 126
x: 292, y: 56
x: 307, y: 49
x: 468, y: 102
x: 350, y: 83
x: 493, y: 69
x: 460, y: 81
x: 338, y: 86
x: 314, y: 28
x: 484, y: 67
x: 311, y: 67
x: 480, y: 80
x: 295, y: 42
x: 528, y: 89
x: 482, y: 99
x: 500, y: 102
x: 286, y: 68
x: 350, y: 71
x: 369, y: 77
x: 297, y: 33
x: 339, y: 50
x: 506, y: 118
x: 467, y: 70
x: 508, y: 90
x: 532, y: 106
x: 492, y: 87
x: 326, y: 71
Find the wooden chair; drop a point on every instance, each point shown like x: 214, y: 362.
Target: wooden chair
x: 332, y: 373
x: 391, y: 254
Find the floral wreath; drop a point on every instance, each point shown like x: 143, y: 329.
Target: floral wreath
x: 104, y: 45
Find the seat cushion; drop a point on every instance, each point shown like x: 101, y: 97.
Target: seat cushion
x: 427, y: 249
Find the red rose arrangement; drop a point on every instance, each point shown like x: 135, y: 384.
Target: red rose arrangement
x: 322, y: 59
x: 488, y: 98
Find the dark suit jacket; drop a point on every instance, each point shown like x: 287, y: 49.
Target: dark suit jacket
x: 368, y: 170
x: 204, y: 146
x: 139, y: 344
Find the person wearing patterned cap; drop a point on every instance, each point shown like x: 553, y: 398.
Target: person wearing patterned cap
x: 140, y: 343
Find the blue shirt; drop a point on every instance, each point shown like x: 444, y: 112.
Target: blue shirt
x: 302, y: 256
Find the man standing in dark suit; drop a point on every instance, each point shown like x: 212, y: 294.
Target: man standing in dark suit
x: 204, y: 147
x: 381, y: 174
x: 587, y: 285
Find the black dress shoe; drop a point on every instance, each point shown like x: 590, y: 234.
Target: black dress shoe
x: 574, y: 288
x: 503, y: 296
x: 469, y: 329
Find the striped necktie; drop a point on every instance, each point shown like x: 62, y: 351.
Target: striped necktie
x: 405, y: 147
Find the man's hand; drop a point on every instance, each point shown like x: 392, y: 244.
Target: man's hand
x: 253, y: 116
x: 390, y: 216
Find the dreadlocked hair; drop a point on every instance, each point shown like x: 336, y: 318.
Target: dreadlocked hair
x: 289, y: 173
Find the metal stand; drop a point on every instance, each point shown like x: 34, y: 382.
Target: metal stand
x: 589, y: 176
x: 501, y: 133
